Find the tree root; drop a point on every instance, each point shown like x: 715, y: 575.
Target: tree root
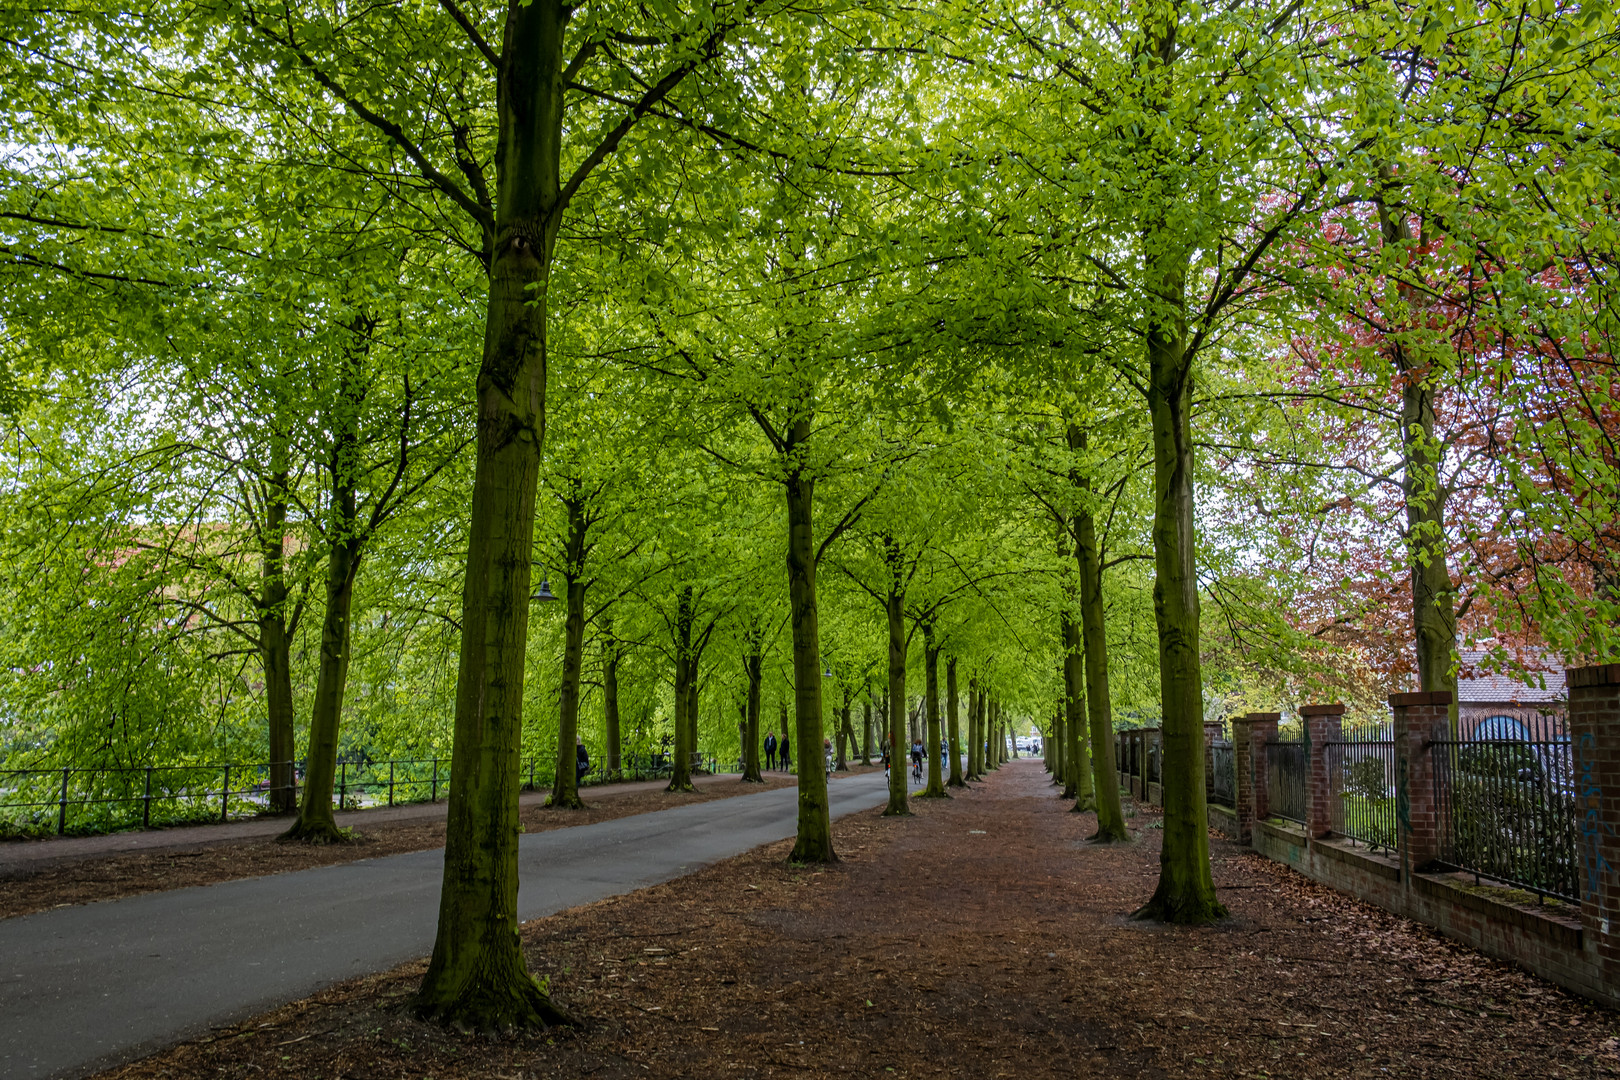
x: 1180, y: 911
x: 317, y: 834
x: 486, y: 1009
x: 572, y: 802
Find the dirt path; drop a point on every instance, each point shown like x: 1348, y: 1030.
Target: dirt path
x: 35, y: 875
x: 980, y: 938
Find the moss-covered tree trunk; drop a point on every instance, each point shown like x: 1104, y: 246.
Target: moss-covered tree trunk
x: 846, y: 732
x: 953, y: 726
x: 813, y: 843
x: 1099, y: 710
x: 565, y: 784
x: 972, y: 765
x: 1186, y: 891
x: 935, y: 788
x: 1434, y: 594
x: 994, y: 746
x: 1060, y: 745
x: 477, y: 976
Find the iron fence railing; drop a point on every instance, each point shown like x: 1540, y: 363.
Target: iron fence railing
x: 1361, y: 781
x: 1223, y: 775
x: 1507, y: 811
x: 74, y: 800
x: 1285, y: 780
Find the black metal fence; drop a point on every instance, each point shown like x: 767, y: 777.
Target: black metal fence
x: 1286, y: 779
x: 1361, y: 778
x: 1507, y: 809
x: 1223, y: 774
x: 69, y: 800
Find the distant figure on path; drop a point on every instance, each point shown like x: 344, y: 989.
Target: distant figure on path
x: 770, y: 750
x: 582, y: 762
x: 786, y: 751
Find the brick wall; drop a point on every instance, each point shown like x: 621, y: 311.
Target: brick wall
x: 1575, y: 947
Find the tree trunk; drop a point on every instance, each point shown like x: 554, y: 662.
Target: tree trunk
x: 680, y: 773
x: 1078, y: 784
x: 477, y: 977
x: 992, y: 750
x: 692, y: 689
x: 814, y: 841
x: 565, y: 785
x: 972, y: 729
x: 275, y: 649
x: 610, y: 702
x: 1094, y: 635
x: 953, y: 729
x: 1186, y: 891
x: 754, y: 665
x: 894, y: 610
x: 1434, y: 595
x: 315, y: 823
x: 866, y: 726
x: 936, y: 780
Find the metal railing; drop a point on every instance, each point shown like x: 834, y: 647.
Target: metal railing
x: 1223, y: 774
x: 1361, y: 781
x: 74, y: 800
x: 1507, y: 811
x: 1286, y: 780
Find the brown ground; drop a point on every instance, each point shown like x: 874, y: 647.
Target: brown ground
x: 204, y: 862
x: 980, y: 938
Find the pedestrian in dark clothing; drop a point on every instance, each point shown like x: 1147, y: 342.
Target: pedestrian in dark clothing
x: 770, y: 749
x: 582, y: 762
x: 785, y: 753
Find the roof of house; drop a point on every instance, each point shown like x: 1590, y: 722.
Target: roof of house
x: 1477, y: 686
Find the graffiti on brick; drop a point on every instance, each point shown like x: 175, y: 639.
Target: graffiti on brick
x: 1593, y: 830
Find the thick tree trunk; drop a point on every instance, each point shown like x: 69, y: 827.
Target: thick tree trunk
x: 953, y: 729
x: 610, y: 702
x: 1060, y: 746
x: 1094, y: 635
x: 477, y: 977
x: 846, y: 733
x: 754, y: 665
x: 814, y: 841
x: 936, y: 779
x: 894, y: 610
x: 565, y: 784
x: 275, y: 649
x: 994, y: 748
x: 692, y: 689
x: 1186, y: 891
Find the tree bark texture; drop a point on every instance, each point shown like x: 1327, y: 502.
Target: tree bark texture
x: 477, y: 976
x: 754, y: 666
x: 275, y: 649
x: 813, y: 843
x: 894, y: 611
x: 1186, y: 891
x: 610, y: 702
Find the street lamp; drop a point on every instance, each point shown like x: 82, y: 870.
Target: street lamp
x: 545, y: 592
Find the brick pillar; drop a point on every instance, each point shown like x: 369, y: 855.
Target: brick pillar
x: 1248, y: 732
x: 1420, y: 719
x: 1594, y: 735
x: 1323, y: 724
x: 1213, y: 729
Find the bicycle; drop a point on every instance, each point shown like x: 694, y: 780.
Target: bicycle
x: 916, y: 769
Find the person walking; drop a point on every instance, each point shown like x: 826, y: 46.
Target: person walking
x: 770, y: 750
x: 785, y: 753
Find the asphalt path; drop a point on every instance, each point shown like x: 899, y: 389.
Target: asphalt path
x: 85, y: 988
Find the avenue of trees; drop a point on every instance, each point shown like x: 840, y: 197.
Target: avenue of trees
x: 847, y: 369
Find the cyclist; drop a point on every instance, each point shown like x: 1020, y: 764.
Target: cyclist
x: 917, y: 753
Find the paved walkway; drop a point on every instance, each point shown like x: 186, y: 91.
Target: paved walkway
x: 84, y: 988
x: 24, y: 856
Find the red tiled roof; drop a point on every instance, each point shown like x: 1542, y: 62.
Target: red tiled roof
x: 1477, y: 686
